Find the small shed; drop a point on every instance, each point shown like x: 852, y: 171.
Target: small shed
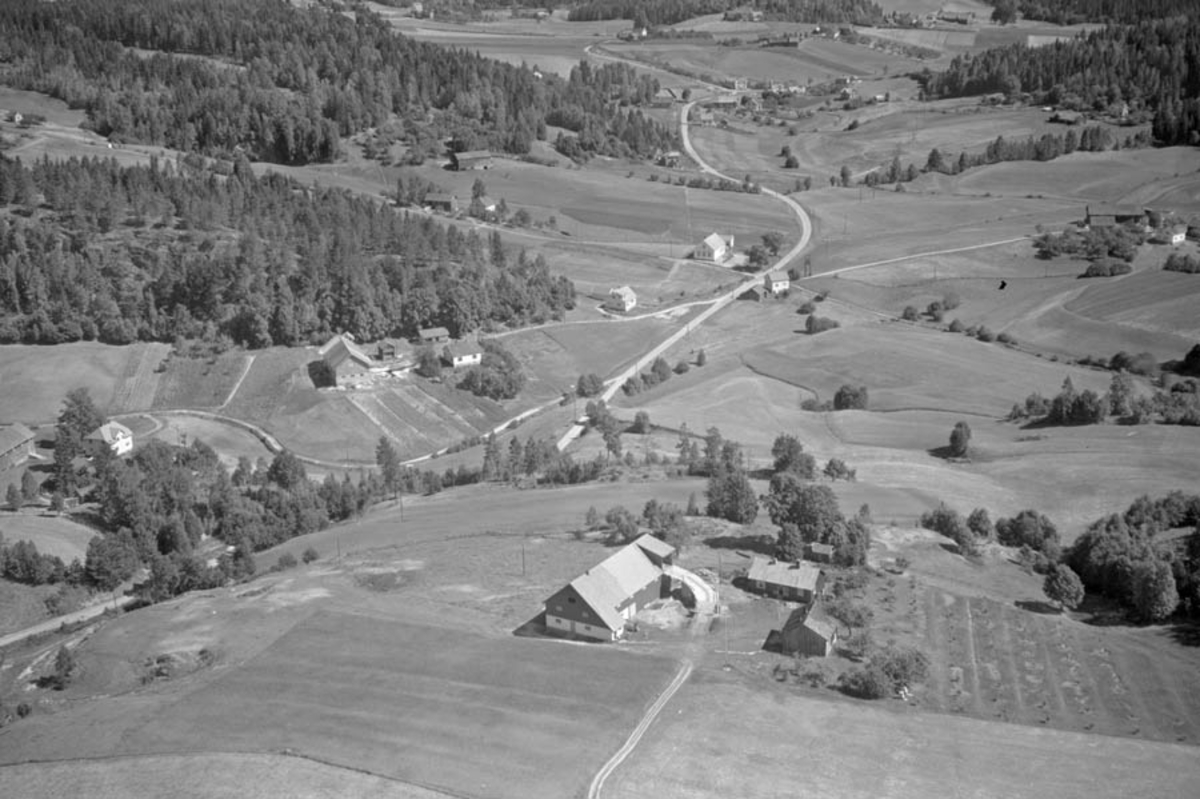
x: 818, y: 553
x: 808, y: 633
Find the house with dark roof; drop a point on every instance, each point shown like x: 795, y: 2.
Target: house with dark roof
x: 807, y: 632
x: 345, y: 360
x: 471, y: 159
x: 441, y: 201
x: 600, y: 602
x: 797, y: 582
x: 16, y: 444
x: 1100, y: 216
x: 112, y: 436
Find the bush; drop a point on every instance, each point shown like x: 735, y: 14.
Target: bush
x: 1107, y: 267
x: 286, y: 561
x: 850, y: 398
x: 1005, y: 338
x: 24, y: 709
x: 865, y: 683
x: 984, y: 334
x: 807, y: 308
x: 956, y: 326
x: 682, y: 367
x: 903, y: 666
x: 819, y: 324
x: 309, y: 555
x: 910, y: 313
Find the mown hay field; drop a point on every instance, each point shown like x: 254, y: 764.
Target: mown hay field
x: 892, y: 753
x: 53, y: 535
x: 468, y: 713
x: 36, y: 379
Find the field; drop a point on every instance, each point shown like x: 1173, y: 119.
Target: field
x: 841, y: 749
x: 54, y: 535
x: 229, y: 441
x: 199, y: 382
x: 201, y: 775
x: 36, y: 379
x: 470, y: 714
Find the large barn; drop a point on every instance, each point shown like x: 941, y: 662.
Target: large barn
x: 345, y: 360
x: 600, y: 602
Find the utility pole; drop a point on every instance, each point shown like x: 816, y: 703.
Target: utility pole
x: 522, y: 557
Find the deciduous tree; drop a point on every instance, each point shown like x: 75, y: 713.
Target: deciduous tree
x: 1062, y: 585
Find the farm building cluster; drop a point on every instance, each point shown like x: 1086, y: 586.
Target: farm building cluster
x: 807, y: 631
x: 601, y: 603
x: 347, y: 363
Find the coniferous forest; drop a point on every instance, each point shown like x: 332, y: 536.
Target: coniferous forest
x: 94, y: 250
x: 1073, y: 12
x: 1152, y: 67
x: 286, y: 84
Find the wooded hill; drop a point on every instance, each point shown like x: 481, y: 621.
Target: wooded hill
x: 1153, y: 66
x: 93, y: 250
x: 1073, y: 12
x: 285, y: 84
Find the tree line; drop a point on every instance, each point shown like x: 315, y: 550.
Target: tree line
x: 644, y: 13
x: 305, y: 261
x: 1074, y: 12
x: 286, y: 84
x: 1151, y: 66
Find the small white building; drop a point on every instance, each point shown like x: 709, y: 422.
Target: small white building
x: 1178, y: 234
x: 621, y: 299
x: 776, y: 282
x: 113, y: 436
x: 462, y: 353
x: 714, y: 248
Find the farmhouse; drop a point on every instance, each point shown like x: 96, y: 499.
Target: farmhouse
x: 740, y: 84
x: 621, y: 299
x: 486, y: 204
x: 112, y: 436
x: 462, y: 353
x: 798, y: 582
x: 776, y: 282
x: 1067, y: 117
x: 808, y: 633
x: 723, y: 101
x: 471, y: 159
x: 440, y: 201
x: 1178, y: 234
x: 669, y: 159
x: 959, y: 17
x: 601, y: 601
x: 16, y: 444
x: 714, y: 248
x: 1110, y: 215
x: 345, y: 360
x: 433, y: 335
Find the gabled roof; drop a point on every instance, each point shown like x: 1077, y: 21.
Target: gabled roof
x: 777, y: 277
x: 821, y: 549
x: 715, y: 242
x: 470, y: 154
x: 342, y: 350
x: 439, y: 197
x: 109, y: 432
x: 14, y: 435
x: 433, y: 332
x: 811, y: 619
x: 624, y: 292
x: 802, y: 576
x: 609, y: 585
x: 655, y: 546
x: 461, y: 349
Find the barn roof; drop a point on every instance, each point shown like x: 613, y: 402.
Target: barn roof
x: 777, y: 277
x: 609, y: 585
x: 472, y: 155
x: 460, y: 349
x: 433, y: 332
x: 343, y: 350
x: 715, y: 242
x: 802, y: 576
x: 624, y: 292
x: 14, y: 435
x: 439, y: 197
x: 655, y: 546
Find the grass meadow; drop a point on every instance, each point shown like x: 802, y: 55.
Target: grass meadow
x: 54, y: 535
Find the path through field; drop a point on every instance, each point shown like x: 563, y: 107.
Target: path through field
x: 597, y: 785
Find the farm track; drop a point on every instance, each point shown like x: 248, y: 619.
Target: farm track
x: 139, y: 383
x: 238, y: 383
